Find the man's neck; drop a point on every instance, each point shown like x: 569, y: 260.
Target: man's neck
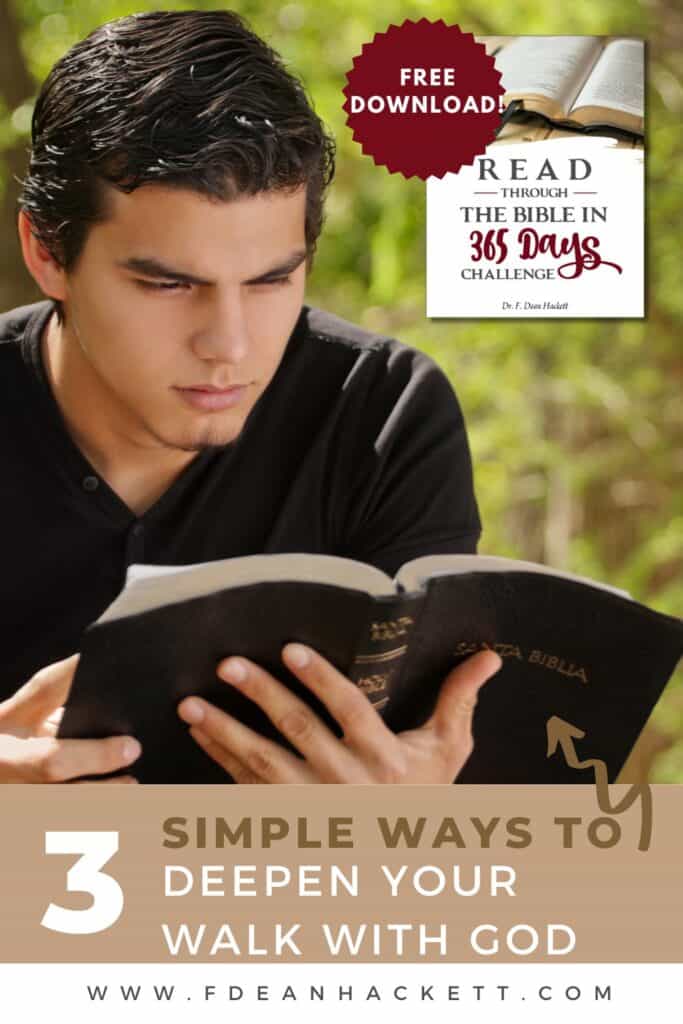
x: 138, y: 472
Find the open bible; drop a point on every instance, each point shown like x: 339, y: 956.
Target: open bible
x: 582, y: 82
x: 572, y: 650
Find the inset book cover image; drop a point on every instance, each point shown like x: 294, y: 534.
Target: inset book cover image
x: 549, y: 222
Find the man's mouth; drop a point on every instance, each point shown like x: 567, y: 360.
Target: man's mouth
x: 207, y: 398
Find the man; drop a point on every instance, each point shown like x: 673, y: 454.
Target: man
x: 173, y: 401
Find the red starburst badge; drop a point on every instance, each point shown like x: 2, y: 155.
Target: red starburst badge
x: 423, y: 98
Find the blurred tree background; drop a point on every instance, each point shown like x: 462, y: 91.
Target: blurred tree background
x: 576, y: 426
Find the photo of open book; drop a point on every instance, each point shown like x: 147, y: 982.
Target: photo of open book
x: 571, y: 649
x: 584, y: 82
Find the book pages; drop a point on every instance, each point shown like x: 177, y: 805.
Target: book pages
x: 414, y: 574
x: 617, y: 79
x: 152, y: 586
x: 552, y: 66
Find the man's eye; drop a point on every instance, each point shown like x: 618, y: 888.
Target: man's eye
x: 274, y: 281
x: 162, y: 286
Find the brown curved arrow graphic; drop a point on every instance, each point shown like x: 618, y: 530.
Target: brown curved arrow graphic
x: 563, y: 734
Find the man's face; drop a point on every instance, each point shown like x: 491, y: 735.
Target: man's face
x: 179, y: 310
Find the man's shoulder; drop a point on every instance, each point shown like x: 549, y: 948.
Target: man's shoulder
x: 13, y: 322
x: 340, y: 342
x: 325, y: 326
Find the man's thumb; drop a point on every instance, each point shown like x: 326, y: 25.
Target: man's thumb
x: 458, y: 697
x: 41, y: 695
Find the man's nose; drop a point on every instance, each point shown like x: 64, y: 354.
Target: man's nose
x: 224, y: 336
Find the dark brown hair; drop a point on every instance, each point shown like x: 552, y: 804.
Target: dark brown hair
x: 190, y: 99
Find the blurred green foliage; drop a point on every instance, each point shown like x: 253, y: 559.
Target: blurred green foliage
x: 575, y: 426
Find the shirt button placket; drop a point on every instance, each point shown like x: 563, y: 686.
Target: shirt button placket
x: 135, y: 544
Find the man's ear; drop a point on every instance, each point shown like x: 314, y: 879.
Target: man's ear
x: 43, y: 268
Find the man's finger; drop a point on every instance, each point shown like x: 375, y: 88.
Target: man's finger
x: 240, y: 773
x: 454, y: 709
x: 41, y: 695
x: 46, y: 759
x: 326, y: 755
x: 348, y: 705
x: 119, y: 780
x: 267, y: 760
x: 365, y: 733
x: 50, y: 726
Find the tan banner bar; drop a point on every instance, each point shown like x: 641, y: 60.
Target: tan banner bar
x: 347, y: 874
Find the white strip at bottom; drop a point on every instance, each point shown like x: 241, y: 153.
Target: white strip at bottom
x: 99, y: 993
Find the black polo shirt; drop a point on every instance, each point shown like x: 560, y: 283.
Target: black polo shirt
x: 356, y: 448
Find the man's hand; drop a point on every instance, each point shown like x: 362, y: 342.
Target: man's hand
x: 368, y: 751
x: 29, y: 749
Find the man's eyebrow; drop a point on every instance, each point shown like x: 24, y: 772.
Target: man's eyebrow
x: 282, y: 270
x: 155, y: 268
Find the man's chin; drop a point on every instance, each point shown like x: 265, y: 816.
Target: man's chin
x: 201, y: 444
x: 209, y: 436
